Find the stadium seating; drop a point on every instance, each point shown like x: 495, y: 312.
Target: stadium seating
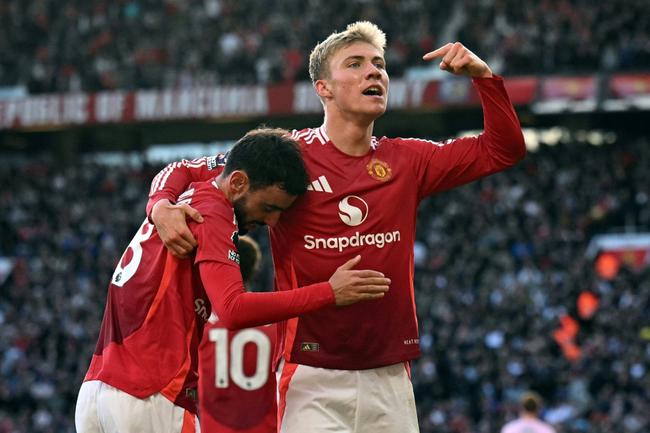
x: 499, y: 263
x: 96, y: 45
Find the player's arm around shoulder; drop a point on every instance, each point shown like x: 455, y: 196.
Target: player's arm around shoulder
x: 167, y: 213
x: 170, y: 220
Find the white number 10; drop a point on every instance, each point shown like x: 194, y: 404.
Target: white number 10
x: 236, y: 371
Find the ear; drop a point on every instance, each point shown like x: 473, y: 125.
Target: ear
x: 323, y: 89
x: 238, y: 182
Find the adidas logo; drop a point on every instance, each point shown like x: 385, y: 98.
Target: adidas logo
x: 320, y: 184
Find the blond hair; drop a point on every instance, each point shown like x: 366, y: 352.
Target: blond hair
x: 361, y: 31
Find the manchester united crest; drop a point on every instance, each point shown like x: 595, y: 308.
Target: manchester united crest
x: 379, y: 170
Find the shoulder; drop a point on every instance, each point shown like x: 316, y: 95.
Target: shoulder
x: 219, y: 222
x: 214, y: 162
x: 310, y: 136
x: 207, y: 198
x: 406, y: 149
x: 405, y: 142
x: 509, y: 427
x: 549, y: 428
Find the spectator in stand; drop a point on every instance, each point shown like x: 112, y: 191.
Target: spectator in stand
x: 528, y: 421
x: 91, y: 45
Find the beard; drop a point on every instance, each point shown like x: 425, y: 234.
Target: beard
x: 239, y: 207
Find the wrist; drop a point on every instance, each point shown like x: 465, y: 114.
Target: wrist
x: 163, y: 202
x: 487, y: 73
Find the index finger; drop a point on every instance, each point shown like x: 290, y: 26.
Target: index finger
x: 367, y: 273
x: 191, y: 212
x: 374, y: 281
x: 180, y: 247
x: 439, y: 52
x: 188, y: 237
x: 178, y: 253
x: 182, y: 241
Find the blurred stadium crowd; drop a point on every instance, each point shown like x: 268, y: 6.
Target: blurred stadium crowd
x: 90, y: 45
x: 498, y: 263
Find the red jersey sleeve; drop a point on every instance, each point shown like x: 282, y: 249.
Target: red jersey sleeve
x: 216, y: 235
x: 237, y: 308
x: 218, y: 262
x: 445, y: 165
x: 172, y: 180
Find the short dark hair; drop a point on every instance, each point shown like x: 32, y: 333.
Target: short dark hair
x: 531, y: 401
x: 269, y: 156
x: 249, y: 257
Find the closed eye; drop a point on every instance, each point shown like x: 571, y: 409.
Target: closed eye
x: 273, y: 208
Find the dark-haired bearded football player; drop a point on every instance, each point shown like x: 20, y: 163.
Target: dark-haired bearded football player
x: 347, y: 369
x: 142, y: 376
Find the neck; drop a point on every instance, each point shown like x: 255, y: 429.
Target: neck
x: 222, y: 184
x: 350, y: 136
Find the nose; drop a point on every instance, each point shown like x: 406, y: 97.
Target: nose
x: 373, y: 72
x: 272, y: 218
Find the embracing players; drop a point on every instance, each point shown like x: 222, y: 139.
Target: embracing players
x: 143, y: 374
x: 347, y: 368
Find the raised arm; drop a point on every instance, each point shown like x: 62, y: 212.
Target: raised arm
x: 499, y: 146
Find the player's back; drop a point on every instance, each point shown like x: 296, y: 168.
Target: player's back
x: 237, y: 387
x: 155, y: 312
x: 527, y: 425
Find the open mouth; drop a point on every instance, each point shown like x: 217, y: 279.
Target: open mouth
x: 373, y: 91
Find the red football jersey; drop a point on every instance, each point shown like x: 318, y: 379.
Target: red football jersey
x: 237, y: 380
x: 156, y: 309
x: 368, y: 205
x: 157, y: 305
